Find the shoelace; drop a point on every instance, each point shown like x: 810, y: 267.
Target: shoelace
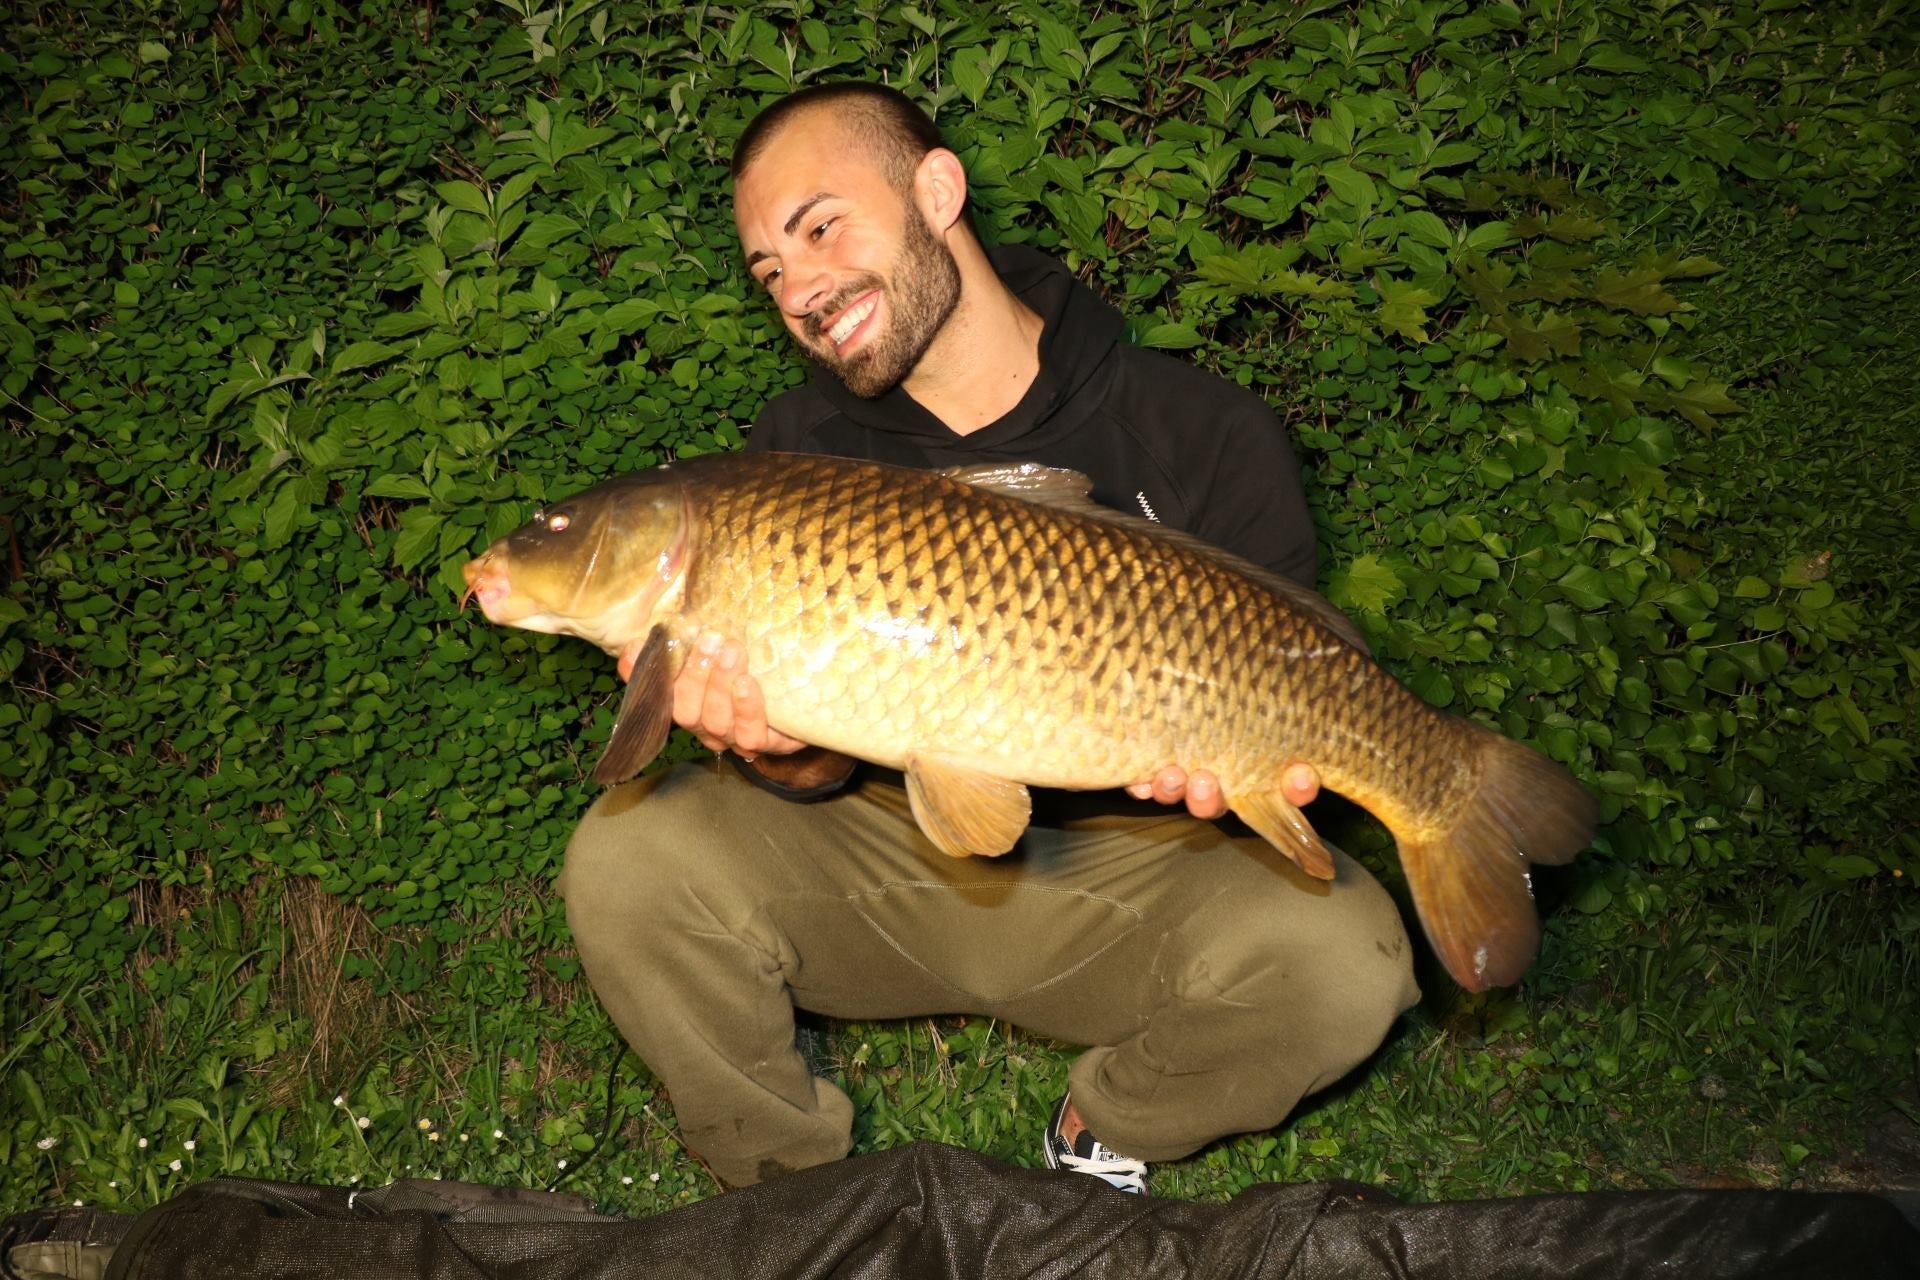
x: 1115, y: 1170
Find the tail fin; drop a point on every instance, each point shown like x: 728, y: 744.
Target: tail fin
x: 1470, y: 880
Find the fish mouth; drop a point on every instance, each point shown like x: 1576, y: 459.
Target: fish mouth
x: 487, y: 582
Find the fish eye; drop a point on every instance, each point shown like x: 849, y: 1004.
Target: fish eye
x: 558, y: 523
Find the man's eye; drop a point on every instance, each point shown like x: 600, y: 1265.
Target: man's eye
x: 767, y: 280
x: 822, y: 228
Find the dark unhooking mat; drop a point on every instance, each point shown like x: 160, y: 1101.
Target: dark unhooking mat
x: 936, y: 1211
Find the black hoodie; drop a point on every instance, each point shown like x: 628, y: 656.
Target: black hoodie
x: 1158, y: 437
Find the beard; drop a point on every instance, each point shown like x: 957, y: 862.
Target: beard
x: 924, y: 289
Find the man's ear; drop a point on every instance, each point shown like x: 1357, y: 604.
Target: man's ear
x: 940, y: 189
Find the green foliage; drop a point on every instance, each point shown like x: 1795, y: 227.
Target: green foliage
x: 1588, y: 317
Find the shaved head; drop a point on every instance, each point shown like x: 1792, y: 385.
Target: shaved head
x: 894, y: 131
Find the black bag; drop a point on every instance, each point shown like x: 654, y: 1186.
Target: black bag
x: 936, y: 1211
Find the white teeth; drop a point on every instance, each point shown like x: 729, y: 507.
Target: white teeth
x: 851, y: 320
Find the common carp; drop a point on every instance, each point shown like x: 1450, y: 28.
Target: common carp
x: 992, y: 628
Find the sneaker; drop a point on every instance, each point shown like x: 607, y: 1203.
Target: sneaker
x: 1088, y: 1155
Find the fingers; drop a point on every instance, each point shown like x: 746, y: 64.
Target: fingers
x: 1200, y: 790
x: 1300, y: 784
x: 722, y: 704
x: 1203, y: 796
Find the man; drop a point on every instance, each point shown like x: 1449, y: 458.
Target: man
x: 1216, y: 984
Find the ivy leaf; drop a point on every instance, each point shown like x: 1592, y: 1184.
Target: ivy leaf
x: 1367, y: 583
x: 1555, y: 335
x: 1403, y: 308
x: 1638, y: 291
x: 1700, y: 402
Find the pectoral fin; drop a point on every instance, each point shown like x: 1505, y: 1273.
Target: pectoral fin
x: 646, y: 715
x: 965, y: 812
x: 1286, y: 829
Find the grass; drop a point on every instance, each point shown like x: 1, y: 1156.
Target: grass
x: 1757, y: 1040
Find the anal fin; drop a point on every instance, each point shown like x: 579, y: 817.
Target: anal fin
x: 646, y: 714
x: 965, y: 812
x: 1286, y: 829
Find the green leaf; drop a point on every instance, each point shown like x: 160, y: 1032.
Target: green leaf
x: 1639, y: 291
x: 1171, y: 337
x: 283, y: 515
x: 1366, y: 583
x: 361, y: 355
x: 465, y: 196
x: 1352, y: 186
x: 418, y: 536
x: 1403, y: 308
x: 1585, y: 587
x: 399, y: 486
x: 546, y: 229
x: 1611, y: 57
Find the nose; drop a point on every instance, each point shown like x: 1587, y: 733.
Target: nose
x: 808, y: 286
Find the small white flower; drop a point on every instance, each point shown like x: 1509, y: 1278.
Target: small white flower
x: 498, y: 1134
x: 142, y: 1144
x: 46, y: 1144
x: 423, y: 1123
x: 189, y: 1144
x: 364, y: 1121
x: 653, y: 1177
x: 113, y: 1184
x: 463, y: 1137
x: 561, y: 1163
x: 627, y: 1180
x: 174, y: 1165
x: 433, y: 1137
x: 354, y: 1178
x: 339, y: 1099
x: 78, y: 1203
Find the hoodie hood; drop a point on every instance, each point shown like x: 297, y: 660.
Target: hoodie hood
x: 1077, y: 338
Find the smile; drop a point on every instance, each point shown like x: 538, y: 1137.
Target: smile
x: 852, y: 319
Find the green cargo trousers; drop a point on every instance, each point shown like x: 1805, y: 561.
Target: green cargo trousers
x: 1215, y: 982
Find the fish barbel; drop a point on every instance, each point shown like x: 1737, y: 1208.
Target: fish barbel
x: 991, y: 628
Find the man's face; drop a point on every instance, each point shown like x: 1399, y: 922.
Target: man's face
x: 860, y: 279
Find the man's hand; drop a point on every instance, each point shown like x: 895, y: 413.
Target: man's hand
x: 720, y: 703
x: 1201, y: 790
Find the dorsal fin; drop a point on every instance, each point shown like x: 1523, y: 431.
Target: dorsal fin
x: 1066, y: 490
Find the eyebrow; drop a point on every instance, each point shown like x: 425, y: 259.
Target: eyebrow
x: 800, y: 211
